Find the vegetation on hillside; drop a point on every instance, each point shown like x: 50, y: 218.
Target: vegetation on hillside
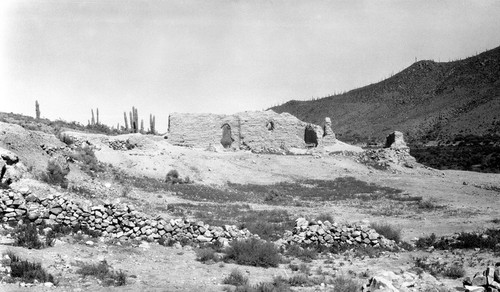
x: 470, y: 153
x: 426, y: 101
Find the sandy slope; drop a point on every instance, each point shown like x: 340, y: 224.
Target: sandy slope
x: 471, y: 202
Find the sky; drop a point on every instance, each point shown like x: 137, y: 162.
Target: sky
x: 219, y: 56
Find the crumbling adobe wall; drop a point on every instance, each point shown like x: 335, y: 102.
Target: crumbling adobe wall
x: 200, y: 130
x: 268, y: 131
x: 259, y: 131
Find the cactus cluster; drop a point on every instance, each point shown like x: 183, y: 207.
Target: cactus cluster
x: 134, y: 122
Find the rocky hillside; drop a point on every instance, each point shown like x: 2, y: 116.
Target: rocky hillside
x: 426, y: 101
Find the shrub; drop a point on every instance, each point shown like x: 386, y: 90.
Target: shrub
x: 388, y: 231
x: 298, y: 280
x: 425, y: 242
x: 429, y: 205
x: 66, y: 139
x: 454, y: 272
x: 253, y: 252
x: 89, y: 163
x: 306, y: 254
x: 488, y: 239
x: 236, y: 278
x: 206, y: 254
x: 28, y: 271
x: 345, y: 284
x: 276, y: 196
x: 56, y: 173
x: 26, y: 235
x: 173, y: 178
x: 432, y: 267
x: 269, y: 225
x: 103, y: 271
x: 325, y: 217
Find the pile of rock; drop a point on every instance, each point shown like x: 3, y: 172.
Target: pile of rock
x: 112, y: 220
x: 121, y: 145
x: 488, y: 280
x: 395, y: 152
x: 326, y: 233
x: 404, y: 282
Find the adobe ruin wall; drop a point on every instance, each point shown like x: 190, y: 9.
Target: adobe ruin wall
x: 259, y: 131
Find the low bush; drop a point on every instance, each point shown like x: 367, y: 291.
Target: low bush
x: 236, y: 278
x: 429, y: 205
x: 325, y: 217
x: 206, y: 254
x: 345, y: 284
x: 28, y: 271
x: 103, y: 271
x: 454, y: 272
x: 68, y: 140
x: 55, y: 174
x: 489, y: 239
x: 253, y: 252
x: 299, y: 280
x: 388, y: 231
x: 88, y: 161
x: 276, y: 196
x: 432, y: 267
x: 26, y: 235
x: 174, y: 178
x: 306, y: 254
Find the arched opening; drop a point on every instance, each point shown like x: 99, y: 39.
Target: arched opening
x: 310, y: 136
x: 227, y: 138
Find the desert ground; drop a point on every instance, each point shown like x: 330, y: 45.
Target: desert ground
x: 455, y: 202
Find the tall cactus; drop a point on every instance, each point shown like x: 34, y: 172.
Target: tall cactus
x: 97, y: 112
x: 93, y: 119
x: 37, y: 109
x: 131, y: 121
x: 152, y: 124
x: 142, y: 126
x: 125, y: 118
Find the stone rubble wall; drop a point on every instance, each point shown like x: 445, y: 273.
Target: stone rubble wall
x: 121, y: 220
x: 112, y: 220
x: 326, y: 233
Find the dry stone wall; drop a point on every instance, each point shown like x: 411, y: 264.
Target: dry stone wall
x: 123, y: 221
x: 326, y: 233
x: 112, y: 220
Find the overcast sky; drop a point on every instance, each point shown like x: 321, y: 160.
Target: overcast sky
x: 219, y: 56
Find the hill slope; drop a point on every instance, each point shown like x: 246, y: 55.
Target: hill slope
x: 426, y: 101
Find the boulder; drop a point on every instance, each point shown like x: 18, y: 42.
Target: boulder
x: 9, y: 157
x: 379, y: 284
x: 13, y: 173
x: 11, y: 169
x: 474, y: 289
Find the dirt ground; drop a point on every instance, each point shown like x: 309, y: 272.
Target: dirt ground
x: 471, y: 203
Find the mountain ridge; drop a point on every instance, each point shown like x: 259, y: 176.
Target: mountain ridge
x: 427, y: 101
